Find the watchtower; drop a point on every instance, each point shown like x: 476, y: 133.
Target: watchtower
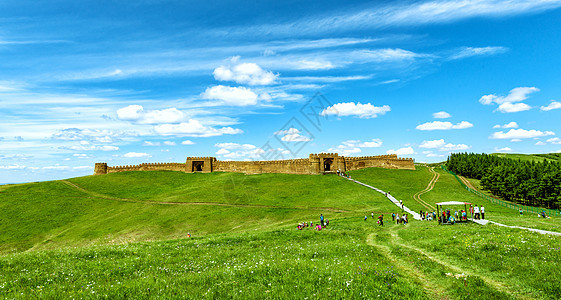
x: 199, y: 164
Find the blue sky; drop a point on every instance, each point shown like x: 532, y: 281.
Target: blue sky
x: 127, y: 82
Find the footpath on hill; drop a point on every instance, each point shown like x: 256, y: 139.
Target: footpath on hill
x: 415, y: 215
x: 430, y: 186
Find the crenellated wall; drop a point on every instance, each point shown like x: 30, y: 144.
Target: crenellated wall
x: 316, y: 164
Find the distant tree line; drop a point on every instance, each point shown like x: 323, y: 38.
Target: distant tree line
x: 526, y: 182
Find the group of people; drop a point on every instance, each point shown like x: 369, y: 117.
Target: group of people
x: 341, y: 173
x: 400, y: 220
x: 478, y: 213
x: 427, y: 216
x: 448, y: 217
x: 322, y: 224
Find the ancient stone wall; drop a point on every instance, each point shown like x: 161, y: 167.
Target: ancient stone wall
x: 316, y: 164
x: 146, y: 167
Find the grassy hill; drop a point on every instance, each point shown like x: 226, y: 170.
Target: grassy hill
x: 82, y: 234
x: 531, y: 157
x: 140, y: 206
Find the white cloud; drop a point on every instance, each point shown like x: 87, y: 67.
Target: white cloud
x: 441, y: 115
x: 235, y: 96
x: 507, y: 103
x: 355, y: 109
x: 169, y: 143
x: 90, y: 148
x: 439, y: 125
x: 245, y: 73
x: 313, y: 65
x: 505, y: 149
x: 386, y: 55
x: 556, y: 141
x: 137, y: 154
x: 56, y: 167
x: 238, y: 151
x: 401, y: 151
x: 516, y: 140
x: 354, y: 146
x: 432, y: 144
x: 91, y: 135
x: 405, y: 13
x: 552, y: 105
x: 149, y: 143
x: 520, y: 134
x: 508, y: 107
x: 235, y: 146
x: 187, y: 142
x: 540, y: 143
x: 194, y: 128
x: 13, y: 167
x: 80, y: 155
x: 509, y: 125
x: 292, y: 135
x: 441, y: 145
x: 478, y: 51
x: 137, y: 114
x: 222, y: 151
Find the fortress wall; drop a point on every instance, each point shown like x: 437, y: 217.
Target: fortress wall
x: 291, y: 166
x: 382, y: 161
x: 148, y: 167
x: 315, y: 164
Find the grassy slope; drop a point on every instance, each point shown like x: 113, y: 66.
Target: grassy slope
x: 402, y: 184
x: 55, y: 214
x: 526, y: 157
x: 352, y: 258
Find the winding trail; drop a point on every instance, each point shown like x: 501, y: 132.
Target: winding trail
x: 430, y: 282
x: 430, y: 186
x: 103, y: 196
x: 415, y: 215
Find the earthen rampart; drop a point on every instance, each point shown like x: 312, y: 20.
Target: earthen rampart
x: 321, y: 163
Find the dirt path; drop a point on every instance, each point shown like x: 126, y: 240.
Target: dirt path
x: 432, y: 283
x: 102, y: 196
x: 430, y: 186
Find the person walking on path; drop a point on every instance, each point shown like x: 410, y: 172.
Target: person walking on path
x: 401, y: 204
x: 476, y: 212
x: 381, y: 220
x: 482, y: 209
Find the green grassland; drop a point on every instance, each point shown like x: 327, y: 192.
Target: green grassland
x: 140, y: 206
x: 530, y: 157
x: 123, y: 235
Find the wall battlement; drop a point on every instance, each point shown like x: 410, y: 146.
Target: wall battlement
x: 320, y: 163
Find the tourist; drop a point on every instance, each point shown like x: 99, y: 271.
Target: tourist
x: 326, y: 222
x: 398, y: 219
x: 365, y: 218
x: 321, y: 219
x: 401, y: 203
x: 521, y: 212
x: 464, y: 215
x: 456, y: 215
x: 381, y: 220
x: 482, y: 209
x: 476, y: 212
x: 405, y: 221
x: 393, y: 217
x: 188, y: 235
x: 318, y: 227
x: 372, y: 214
x: 471, y: 211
